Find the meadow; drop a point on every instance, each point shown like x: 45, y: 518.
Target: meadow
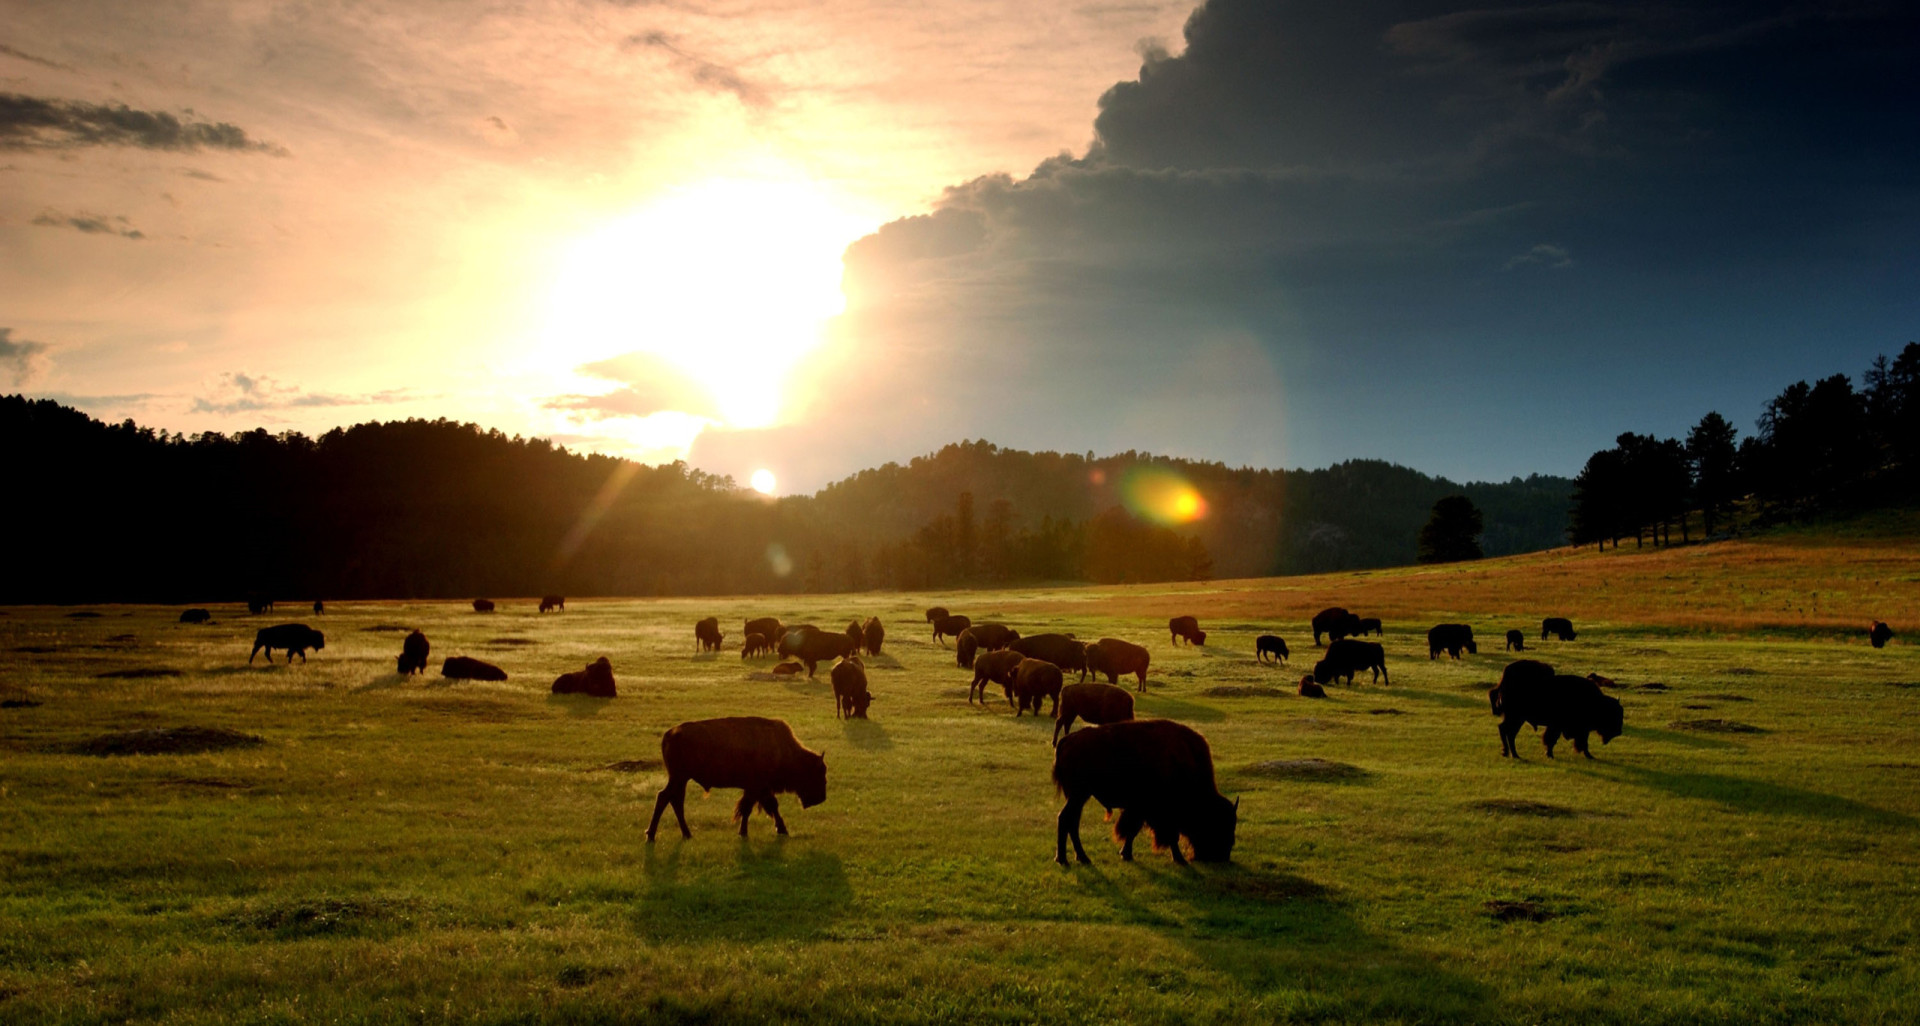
x: 398, y: 850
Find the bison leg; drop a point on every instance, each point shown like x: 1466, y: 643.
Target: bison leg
x: 1580, y: 744
x: 742, y: 810
x: 255, y: 652
x: 1509, y: 729
x: 675, y: 794
x: 1125, y: 830
x: 771, y: 805
x: 1552, y: 737
x: 1061, y: 726
x: 1068, y: 825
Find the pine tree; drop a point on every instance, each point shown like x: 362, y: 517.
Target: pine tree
x: 1453, y: 531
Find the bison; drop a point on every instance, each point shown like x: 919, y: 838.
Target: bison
x: 787, y: 669
x: 937, y: 613
x: 1094, y: 702
x: 856, y: 635
x: 1335, y: 623
x: 755, y: 645
x: 1880, y: 634
x: 1115, y: 658
x: 1450, y: 638
x: 1556, y: 626
x: 467, y: 668
x: 1516, y: 641
x: 759, y: 756
x: 850, y: 695
x: 767, y: 627
x: 1062, y: 650
x: 813, y: 646
x: 982, y: 637
x: 1271, y: 645
x: 1369, y: 625
x: 413, y: 655
x: 257, y: 604
x: 1186, y: 628
x: 994, y: 668
x: 1033, y: 680
x: 1561, y: 704
x: 1348, y: 656
x: 319, y: 607
x: 196, y: 616
x: 950, y: 627
x: 553, y: 602
x: 706, y: 634
x: 1310, y: 689
x: 1157, y: 774
x: 873, y: 635
x: 483, y: 605
x: 289, y: 637
x: 595, y: 680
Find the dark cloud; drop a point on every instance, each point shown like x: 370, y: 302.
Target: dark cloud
x: 651, y: 385
x: 30, y: 122
x: 22, y: 358
x: 238, y: 392
x: 31, y: 59
x: 91, y: 224
x: 714, y: 76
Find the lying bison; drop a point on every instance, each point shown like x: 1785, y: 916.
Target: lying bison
x: 483, y: 605
x: 759, y: 756
x: 1516, y: 641
x: 850, y: 695
x: 1157, y: 774
x: 1349, y: 656
x: 1187, y: 629
x: 994, y: 668
x: 1562, y: 705
x: 196, y: 616
x: 1094, y: 702
x: 706, y: 634
x: 595, y: 680
x: 413, y: 655
x: 1309, y: 688
x: 982, y: 637
x: 1033, y: 680
x: 1335, y: 623
x: 1369, y: 625
x: 950, y: 627
x: 1271, y: 645
x: 467, y: 668
x: 1556, y: 626
x: 1880, y: 634
x: 813, y: 646
x: 290, y: 637
x: 1450, y: 638
x: 553, y: 602
x: 1062, y: 650
x: 873, y: 635
x: 1113, y: 659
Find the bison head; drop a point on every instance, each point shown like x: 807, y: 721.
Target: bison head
x: 1608, y: 718
x: 1472, y: 648
x: 812, y: 785
x: 1323, y: 672
x: 318, y: 639
x: 1211, y: 829
x: 1200, y: 638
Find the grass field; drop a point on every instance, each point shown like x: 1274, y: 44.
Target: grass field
x: 401, y: 851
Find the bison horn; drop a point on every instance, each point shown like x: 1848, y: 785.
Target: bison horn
x: 1236, y: 806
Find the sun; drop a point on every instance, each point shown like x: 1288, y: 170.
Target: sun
x: 728, y: 283
x: 763, y: 481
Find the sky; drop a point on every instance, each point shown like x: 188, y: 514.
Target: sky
x: 807, y: 238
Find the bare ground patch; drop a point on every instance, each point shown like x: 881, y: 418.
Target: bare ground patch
x: 138, y: 673
x: 1716, y: 726
x: 631, y: 765
x: 1305, y: 769
x: 166, y: 741
x: 1523, y: 807
x: 1518, y: 911
x: 1245, y: 691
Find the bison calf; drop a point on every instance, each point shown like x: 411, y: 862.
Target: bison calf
x: 1033, y: 680
x: 759, y: 756
x: 1271, y: 645
x: 1094, y: 702
x: 595, y: 680
x: 413, y: 655
x: 873, y: 635
x: 1516, y: 641
x: 1369, y: 625
x: 994, y: 668
x: 1309, y: 689
x: 1155, y: 773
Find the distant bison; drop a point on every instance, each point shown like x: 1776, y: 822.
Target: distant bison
x: 994, y: 668
x: 1187, y: 629
x: 1516, y: 641
x: 1033, y: 680
x: 258, y: 604
x: 1450, y: 638
x: 1113, y: 658
x: 467, y: 668
x: 873, y: 635
x: 950, y: 627
x: 595, y: 680
x: 1335, y: 623
x: 196, y: 616
x: 813, y: 646
x: 1310, y: 689
x: 1271, y: 645
x: 1062, y: 650
x: 982, y: 637
x: 1349, y: 656
x: 850, y: 695
x: 706, y: 634
x: 1094, y: 702
x: 767, y: 627
x: 289, y: 637
x: 937, y: 613
x: 759, y: 756
x: 856, y: 635
x: 1556, y: 626
x: 1369, y: 625
x: 755, y: 645
x: 1563, y: 705
x: 319, y: 607
x: 553, y: 602
x: 1880, y: 634
x: 483, y: 605
x: 1157, y: 774
x: 413, y: 655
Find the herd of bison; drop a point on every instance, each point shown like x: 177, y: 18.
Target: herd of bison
x: 1156, y: 773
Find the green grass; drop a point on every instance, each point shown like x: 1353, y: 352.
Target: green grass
x: 417, y: 851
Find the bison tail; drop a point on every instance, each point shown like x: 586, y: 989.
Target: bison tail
x: 1494, y: 698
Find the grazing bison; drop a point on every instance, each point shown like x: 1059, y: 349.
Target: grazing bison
x: 850, y: 695
x: 787, y: 669
x: 258, y: 604
x: 1271, y: 645
x: 1062, y: 650
x: 553, y: 602
x: 813, y: 646
x: 1309, y: 689
x: 982, y: 637
x: 1516, y: 641
x: 1880, y: 634
x: 1561, y: 704
x: 1157, y: 774
x: 1335, y: 623
x: 755, y: 645
x: 1186, y: 628
x: 950, y: 627
x: 319, y: 607
x: 289, y: 637
x: 467, y: 668
x: 1094, y: 702
x: 483, y: 605
x: 856, y: 635
x: 413, y: 655
x: 706, y: 634
x: 1115, y: 658
x: 1450, y: 638
x: 994, y: 668
x: 196, y: 616
x: 595, y: 680
x: 1369, y: 625
x: 1033, y: 680
x: 1348, y: 656
x: 1557, y: 626
x: 767, y: 627
x: 873, y: 635
x: 937, y: 613
x: 759, y: 756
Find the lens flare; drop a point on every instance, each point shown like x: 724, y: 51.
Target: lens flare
x: 1161, y: 496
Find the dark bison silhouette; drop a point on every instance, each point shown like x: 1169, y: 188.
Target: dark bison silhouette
x: 1562, y: 705
x: 1369, y: 625
x: 1062, y: 650
x: 1094, y: 702
x: 813, y: 646
x: 468, y: 668
x: 994, y: 668
x: 950, y: 627
x: 483, y: 605
x: 1311, y: 689
x: 1155, y: 773
x: 1033, y: 680
x: 553, y: 602
x: 413, y: 655
x: 873, y: 635
x: 257, y: 604
x: 196, y: 616
x: 1335, y: 623
x: 1880, y: 634
x: 319, y: 607
x: 706, y: 634
x: 1556, y: 626
x: 1348, y: 656
x: 1516, y: 641
x: 291, y: 638
x: 759, y: 756
x: 767, y: 627
x: 595, y: 680
x: 1112, y: 658
x: 755, y: 645
x: 850, y: 695
x: 1450, y: 638
x: 982, y: 637
x: 1186, y: 628
x: 1271, y: 645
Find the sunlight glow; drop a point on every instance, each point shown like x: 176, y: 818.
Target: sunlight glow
x: 763, y: 481
x: 728, y: 282
x: 1162, y: 496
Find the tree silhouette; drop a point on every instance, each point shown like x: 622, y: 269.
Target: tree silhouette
x: 1452, y: 532
x: 1711, y: 455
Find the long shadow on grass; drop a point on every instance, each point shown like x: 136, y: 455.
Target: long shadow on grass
x: 1675, y: 737
x: 767, y: 893
x: 866, y: 734
x: 1175, y: 709
x: 1745, y: 794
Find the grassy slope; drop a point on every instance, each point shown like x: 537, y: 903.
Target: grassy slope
x: 411, y: 850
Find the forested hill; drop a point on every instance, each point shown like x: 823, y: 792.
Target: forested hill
x: 439, y: 509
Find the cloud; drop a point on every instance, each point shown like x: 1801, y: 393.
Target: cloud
x: 1545, y: 254
x: 29, y: 122
x: 718, y: 77
x: 495, y: 130
x: 239, y: 392
x: 24, y: 360
x: 651, y: 385
x: 31, y: 59
x: 91, y: 224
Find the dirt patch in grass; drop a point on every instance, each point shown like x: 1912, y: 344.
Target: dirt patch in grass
x: 631, y: 765
x: 124, y: 638
x: 1386, y: 712
x: 1728, y: 698
x: 18, y: 703
x: 385, y: 628
x: 1904, y: 685
x: 1646, y: 651
x: 1305, y: 769
x: 1245, y: 691
x: 1518, y: 911
x: 1523, y: 807
x: 1696, y: 707
x: 1742, y: 671
x: 138, y: 673
x: 84, y: 614
x: 576, y: 976
x: 210, y: 783
x: 1654, y: 685
x: 37, y: 649
x: 323, y: 916
x: 166, y: 741
x: 1716, y: 726
x: 510, y: 642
